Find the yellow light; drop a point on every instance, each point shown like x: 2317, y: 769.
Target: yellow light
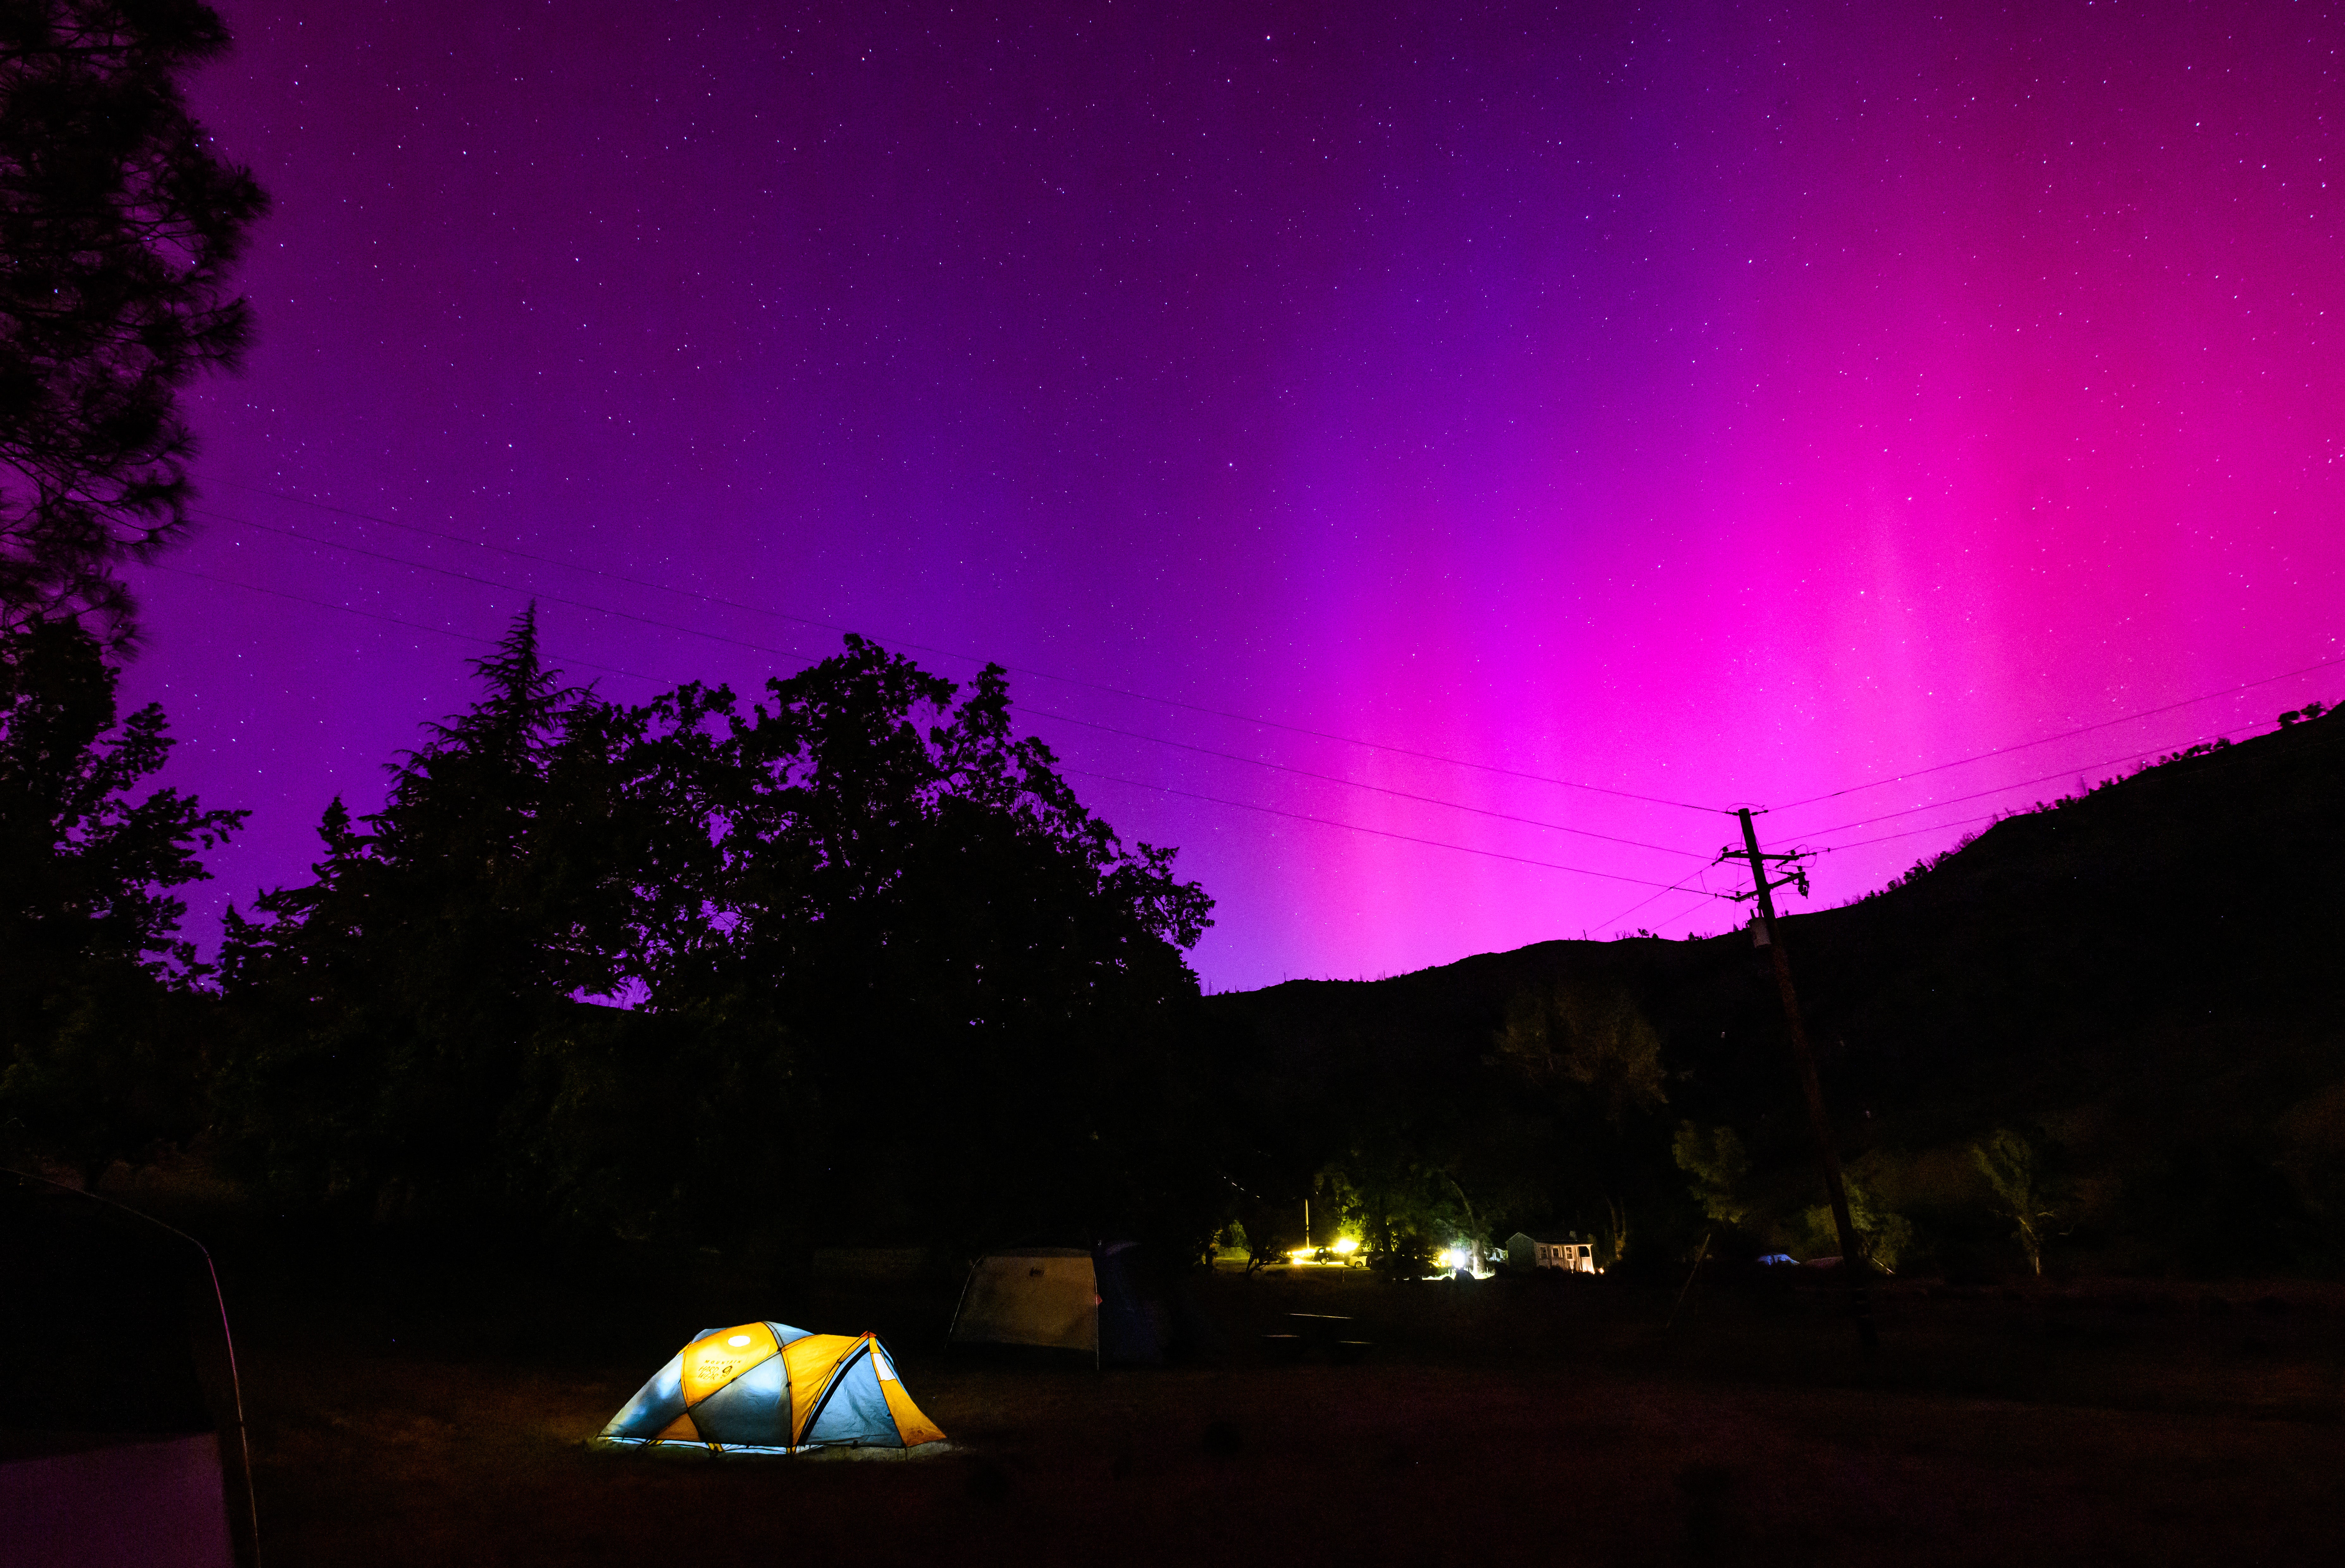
x: 1452, y: 1259
x: 1347, y: 1244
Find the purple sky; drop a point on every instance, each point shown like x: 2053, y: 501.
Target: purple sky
x: 1718, y: 404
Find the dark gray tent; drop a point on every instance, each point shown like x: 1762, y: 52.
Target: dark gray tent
x: 121, y: 1430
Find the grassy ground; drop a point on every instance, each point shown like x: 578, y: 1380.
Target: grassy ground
x: 2036, y: 1424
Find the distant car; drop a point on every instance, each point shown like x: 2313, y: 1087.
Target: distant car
x: 1774, y: 1259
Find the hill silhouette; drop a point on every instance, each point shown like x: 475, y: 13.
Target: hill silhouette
x: 2141, y: 983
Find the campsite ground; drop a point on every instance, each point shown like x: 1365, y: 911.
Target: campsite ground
x: 402, y: 1421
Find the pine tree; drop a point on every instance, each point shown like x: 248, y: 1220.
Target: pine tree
x: 391, y: 1004
x: 119, y: 225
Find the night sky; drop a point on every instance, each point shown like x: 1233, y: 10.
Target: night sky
x: 1712, y: 404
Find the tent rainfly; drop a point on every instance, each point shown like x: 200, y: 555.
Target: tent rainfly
x: 767, y: 1388
x: 1095, y: 1302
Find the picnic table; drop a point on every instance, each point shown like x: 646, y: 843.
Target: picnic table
x: 1328, y: 1333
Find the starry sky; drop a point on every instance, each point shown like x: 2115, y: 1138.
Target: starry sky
x: 1423, y: 461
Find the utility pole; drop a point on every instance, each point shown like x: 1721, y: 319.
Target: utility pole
x: 1852, y: 1261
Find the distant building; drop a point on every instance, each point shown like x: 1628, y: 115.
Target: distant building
x: 1571, y: 1255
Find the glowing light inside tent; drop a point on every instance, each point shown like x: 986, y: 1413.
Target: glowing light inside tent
x: 710, y: 1363
x: 1348, y: 1244
x: 1452, y: 1258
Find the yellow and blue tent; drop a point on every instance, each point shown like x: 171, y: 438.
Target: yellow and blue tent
x: 767, y: 1388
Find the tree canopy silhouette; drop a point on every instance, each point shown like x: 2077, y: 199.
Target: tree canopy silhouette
x: 874, y: 954
x: 952, y: 935
x: 96, y: 1058
x: 389, y: 1006
x: 118, y: 225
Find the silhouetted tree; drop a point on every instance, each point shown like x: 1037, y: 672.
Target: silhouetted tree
x: 1715, y: 1160
x: 1588, y: 1033
x: 2025, y: 1194
x: 391, y: 1005
x: 982, y: 979
x: 98, y: 1017
x: 1587, y: 1044
x: 1883, y: 1234
x: 118, y: 225
x: 875, y: 953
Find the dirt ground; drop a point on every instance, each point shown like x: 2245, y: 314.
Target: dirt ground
x: 1491, y: 1422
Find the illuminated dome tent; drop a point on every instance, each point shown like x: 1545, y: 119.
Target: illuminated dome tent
x: 767, y: 1388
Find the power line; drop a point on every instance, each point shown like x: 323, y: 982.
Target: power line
x: 767, y: 649
x: 1702, y: 902
x: 1145, y: 696
x: 2080, y: 729
x: 1676, y: 887
x: 2019, y: 784
x: 924, y: 648
x: 2222, y: 735
x: 1083, y: 772
x: 1023, y: 707
x: 1910, y: 832
x: 1354, y: 783
x: 1379, y: 833
x: 497, y: 582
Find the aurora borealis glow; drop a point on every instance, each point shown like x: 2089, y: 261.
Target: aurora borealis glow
x: 1714, y: 402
